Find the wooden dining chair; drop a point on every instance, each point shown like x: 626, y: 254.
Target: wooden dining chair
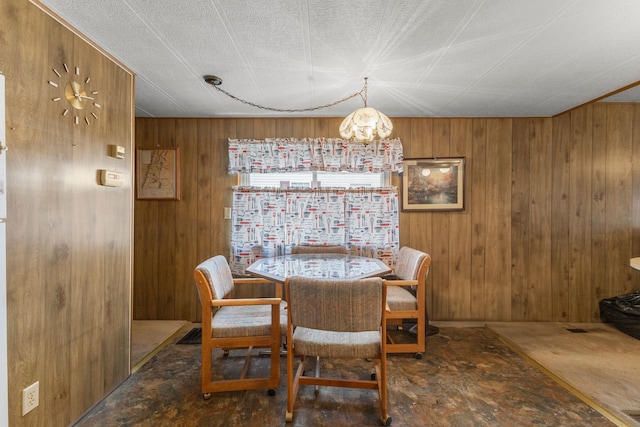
x: 243, y: 323
x: 346, y: 322
x: 318, y: 249
x: 406, y: 298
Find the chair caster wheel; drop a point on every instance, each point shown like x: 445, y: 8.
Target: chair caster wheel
x: 386, y: 422
x: 289, y: 417
x: 225, y: 353
x: 373, y: 376
x: 271, y: 392
x: 206, y: 396
x: 418, y: 356
x: 316, y: 392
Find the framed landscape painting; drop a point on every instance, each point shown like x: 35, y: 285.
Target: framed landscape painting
x: 433, y: 184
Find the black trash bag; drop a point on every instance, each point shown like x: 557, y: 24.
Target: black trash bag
x: 623, y: 312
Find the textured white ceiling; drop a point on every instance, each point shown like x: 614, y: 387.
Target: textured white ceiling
x: 436, y: 58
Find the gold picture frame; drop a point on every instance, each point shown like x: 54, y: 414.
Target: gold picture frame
x: 158, y: 173
x: 433, y: 184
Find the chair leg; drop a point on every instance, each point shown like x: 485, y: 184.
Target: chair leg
x: 381, y: 376
x: 206, y: 370
x: 317, y: 389
x: 293, y: 383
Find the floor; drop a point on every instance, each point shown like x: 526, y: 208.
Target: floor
x: 594, y: 361
x: 472, y: 374
x: 150, y: 336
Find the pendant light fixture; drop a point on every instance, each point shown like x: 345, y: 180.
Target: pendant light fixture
x: 366, y: 123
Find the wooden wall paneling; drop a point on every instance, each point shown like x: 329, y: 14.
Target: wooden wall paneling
x: 580, y: 165
x: 53, y: 310
x: 167, y: 215
x: 27, y: 336
x: 619, y: 196
x: 545, y: 176
x: 323, y: 127
x: 187, y: 303
x: 84, y: 204
x: 115, y: 126
x: 303, y: 128
x: 560, y: 214
x: 328, y: 127
x: 476, y: 175
x: 146, y: 284
x: 68, y: 270
x: 520, y: 218
x: 410, y: 133
x: 539, y: 302
x: 498, y: 223
x: 599, y: 276
x: 460, y: 239
x: 264, y: 128
x: 101, y: 236
x: 420, y: 229
x: 86, y: 316
x: 221, y: 236
x: 635, y: 226
x: 599, y: 263
x: 206, y: 175
x: 244, y: 128
x: 441, y: 231
x: 284, y: 128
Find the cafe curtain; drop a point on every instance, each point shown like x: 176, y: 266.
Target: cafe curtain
x: 313, y: 154
x: 268, y: 222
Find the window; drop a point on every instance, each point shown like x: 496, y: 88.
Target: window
x: 317, y: 179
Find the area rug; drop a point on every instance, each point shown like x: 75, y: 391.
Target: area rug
x: 194, y: 336
x: 467, y: 377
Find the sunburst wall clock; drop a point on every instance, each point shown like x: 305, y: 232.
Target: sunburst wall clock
x: 76, y: 95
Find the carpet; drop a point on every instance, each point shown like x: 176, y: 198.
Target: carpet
x: 194, y: 336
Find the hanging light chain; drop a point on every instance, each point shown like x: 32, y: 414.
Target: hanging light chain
x: 216, y: 85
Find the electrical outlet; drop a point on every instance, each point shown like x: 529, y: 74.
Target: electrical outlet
x: 30, y: 397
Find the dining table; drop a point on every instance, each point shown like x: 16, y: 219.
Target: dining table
x: 317, y: 266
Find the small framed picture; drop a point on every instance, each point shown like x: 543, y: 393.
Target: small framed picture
x: 433, y: 184
x: 158, y: 173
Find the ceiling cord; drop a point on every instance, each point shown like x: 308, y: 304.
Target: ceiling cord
x: 217, y: 81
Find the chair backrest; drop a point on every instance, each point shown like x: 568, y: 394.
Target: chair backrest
x: 218, y: 275
x: 410, y: 262
x: 318, y: 249
x: 340, y: 305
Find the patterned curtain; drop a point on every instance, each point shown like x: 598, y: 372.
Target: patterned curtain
x: 309, y: 154
x: 268, y: 222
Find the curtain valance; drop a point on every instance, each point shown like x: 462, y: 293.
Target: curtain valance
x: 313, y: 154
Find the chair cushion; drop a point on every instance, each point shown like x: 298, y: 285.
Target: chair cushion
x: 246, y: 321
x: 408, y: 264
x: 348, y: 345
x: 399, y: 298
x: 218, y: 274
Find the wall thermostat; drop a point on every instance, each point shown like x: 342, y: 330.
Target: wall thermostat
x: 116, y: 151
x: 110, y: 178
